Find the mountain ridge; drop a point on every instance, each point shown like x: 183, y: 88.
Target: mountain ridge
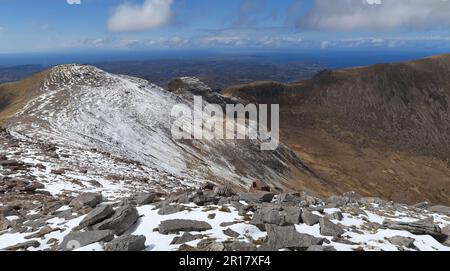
x: 83, y: 106
x: 356, y: 125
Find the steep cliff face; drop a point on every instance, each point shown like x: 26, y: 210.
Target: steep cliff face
x: 382, y: 129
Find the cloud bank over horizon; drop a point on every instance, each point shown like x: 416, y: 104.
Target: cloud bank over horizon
x: 229, y: 24
x: 378, y: 15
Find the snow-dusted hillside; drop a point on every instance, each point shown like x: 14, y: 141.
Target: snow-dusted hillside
x: 83, y: 106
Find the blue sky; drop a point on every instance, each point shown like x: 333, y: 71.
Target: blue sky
x: 64, y: 25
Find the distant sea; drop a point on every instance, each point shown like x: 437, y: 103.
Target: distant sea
x: 326, y: 58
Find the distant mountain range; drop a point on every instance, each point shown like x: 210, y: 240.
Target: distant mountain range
x: 217, y: 72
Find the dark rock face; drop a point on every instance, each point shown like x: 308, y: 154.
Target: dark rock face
x: 86, y: 200
x: 229, y: 232
x: 224, y: 191
x: 97, y: 215
x: 121, y: 221
x: 328, y: 228
x: 256, y: 197
x: 420, y: 227
x: 193, y: 86
x: 127, y: 243
x: 179, y: 225
x: 289, y: 199
x: 288, y: 237
x: 76, y: 240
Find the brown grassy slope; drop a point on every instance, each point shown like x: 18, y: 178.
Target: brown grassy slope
x: 14, y: 96
x: 382, y: 130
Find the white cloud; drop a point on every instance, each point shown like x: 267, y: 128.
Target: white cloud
x: 151, y: 14
x: 350, y: 15
x: 1, y: 28
x: 74, y: 2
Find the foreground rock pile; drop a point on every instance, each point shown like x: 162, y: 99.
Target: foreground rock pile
x: 56, y: 198
x: 217, y: 219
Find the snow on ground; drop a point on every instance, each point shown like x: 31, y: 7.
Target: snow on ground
x: 84, y: 107
x: 86, y: 170
x: 150, y: 219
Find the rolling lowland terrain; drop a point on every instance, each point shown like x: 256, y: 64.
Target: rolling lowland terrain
x: 88, y: 163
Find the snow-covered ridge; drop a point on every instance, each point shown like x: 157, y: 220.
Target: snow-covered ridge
x: 83, y: 106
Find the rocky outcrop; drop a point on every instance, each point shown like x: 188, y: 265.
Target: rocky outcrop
x: 145, y: 198
x: 277, y: 215
x: 24, y: 245
x: 328, y: 228
x: 97, y: 215
x: 402, y: 242
x: 420, y: 227
x: 289, y: 238
x: 123, y: 218
x: 309, y: 218
x: 441, y: 209
x: 180, y: 225
x: 256, y: 197
x: 186, y: 237
x: 86, y: 200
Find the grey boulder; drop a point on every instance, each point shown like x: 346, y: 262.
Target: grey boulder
x: 76, y: 240
x: 402, y: 242
x: 335, y: 216
x: 127, y: 243
x: 86, y: 200
x: 186, y: 238
x: 281, y: 216
x: 97, y: 215
x: 145, y: 198
x: 121, y: 221
x: 180, y: 225
x: 170, y: 208
x: 24, y: 246
x: 309, y: 218
x: 328, y: 228
x: 288, y: 237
